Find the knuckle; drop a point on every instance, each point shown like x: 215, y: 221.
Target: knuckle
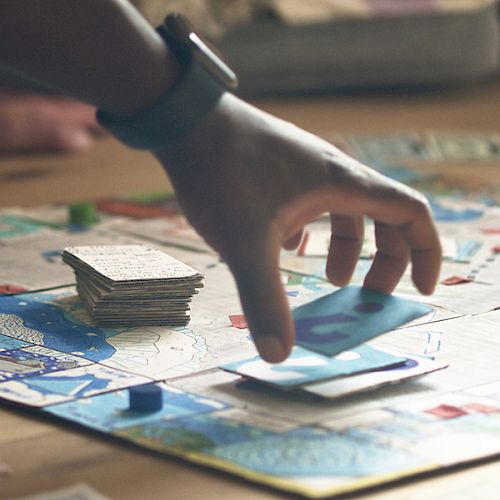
x: 417, y: 202
x: 422, y: 206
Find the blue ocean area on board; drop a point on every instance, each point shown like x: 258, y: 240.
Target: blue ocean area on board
x: 58, y: 329
x: 443, y: 213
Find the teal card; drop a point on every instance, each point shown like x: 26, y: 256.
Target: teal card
x: 304, y: 367
x: 349, y: 317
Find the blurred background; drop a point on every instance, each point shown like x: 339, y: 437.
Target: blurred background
x: 400, y: 69
x: 295, y: 47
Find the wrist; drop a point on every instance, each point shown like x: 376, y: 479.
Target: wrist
x: 201, y: 79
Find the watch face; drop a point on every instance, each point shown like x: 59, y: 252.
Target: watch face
x: 212, y: 63
x: 181, y: 30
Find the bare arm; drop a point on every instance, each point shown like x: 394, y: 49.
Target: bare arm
x: 247, y: 181
x: 99, y: 51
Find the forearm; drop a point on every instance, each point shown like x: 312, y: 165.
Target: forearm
x: 100, y: 51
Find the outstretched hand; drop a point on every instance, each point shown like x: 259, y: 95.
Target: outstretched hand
x: 249, y: 182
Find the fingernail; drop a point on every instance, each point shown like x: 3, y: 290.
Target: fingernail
x: 82, y: 140
x: 271, y: 349
x: 76, y: 141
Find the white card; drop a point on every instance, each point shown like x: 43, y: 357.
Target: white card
x: 131, y: 262
x: 344, y: 386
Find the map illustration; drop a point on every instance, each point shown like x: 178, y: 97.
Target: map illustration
x: 376, y: 389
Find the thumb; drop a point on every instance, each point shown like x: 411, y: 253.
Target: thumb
x: 263, y: 299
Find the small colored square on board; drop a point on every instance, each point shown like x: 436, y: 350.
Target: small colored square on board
x: 447, y: 411
x: 238, y: 321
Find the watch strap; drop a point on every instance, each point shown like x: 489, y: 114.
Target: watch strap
x: 172, y: 116
x: 204, y: 79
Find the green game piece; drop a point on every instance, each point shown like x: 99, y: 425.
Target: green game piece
x: 82, y: 214
x: 295, y: 279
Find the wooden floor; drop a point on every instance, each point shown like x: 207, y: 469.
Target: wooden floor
x: 44, y: 456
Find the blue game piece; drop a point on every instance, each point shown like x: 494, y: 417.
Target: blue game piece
x: 145, y: 398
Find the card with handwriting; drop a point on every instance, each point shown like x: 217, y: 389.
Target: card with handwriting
x: 303, y: 366
x: 349, y: 317
x: 128, y: 263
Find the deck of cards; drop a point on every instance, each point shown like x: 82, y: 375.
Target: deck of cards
x: 127, y: 285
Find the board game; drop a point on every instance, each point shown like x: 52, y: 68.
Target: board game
x: 429, y: 400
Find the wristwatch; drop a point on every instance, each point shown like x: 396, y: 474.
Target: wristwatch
x: 205, y: 77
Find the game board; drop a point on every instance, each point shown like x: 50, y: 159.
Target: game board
x: 55, y: 360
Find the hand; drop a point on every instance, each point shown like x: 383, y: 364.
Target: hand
x: 248, y: 182
x: 45, y: 123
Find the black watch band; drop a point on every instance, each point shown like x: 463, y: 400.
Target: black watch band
x: 182, y: 107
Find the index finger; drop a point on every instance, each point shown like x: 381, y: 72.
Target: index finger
x: 255, y: 267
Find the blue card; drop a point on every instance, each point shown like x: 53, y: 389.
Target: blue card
x: 303, y: 366
x: 349, y: 317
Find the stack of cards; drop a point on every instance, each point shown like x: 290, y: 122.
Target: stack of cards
x: 328, y: 360
x: 133, y: 284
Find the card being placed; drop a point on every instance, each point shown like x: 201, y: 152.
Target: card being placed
x: 350, y: 316
x: 304, y: 367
